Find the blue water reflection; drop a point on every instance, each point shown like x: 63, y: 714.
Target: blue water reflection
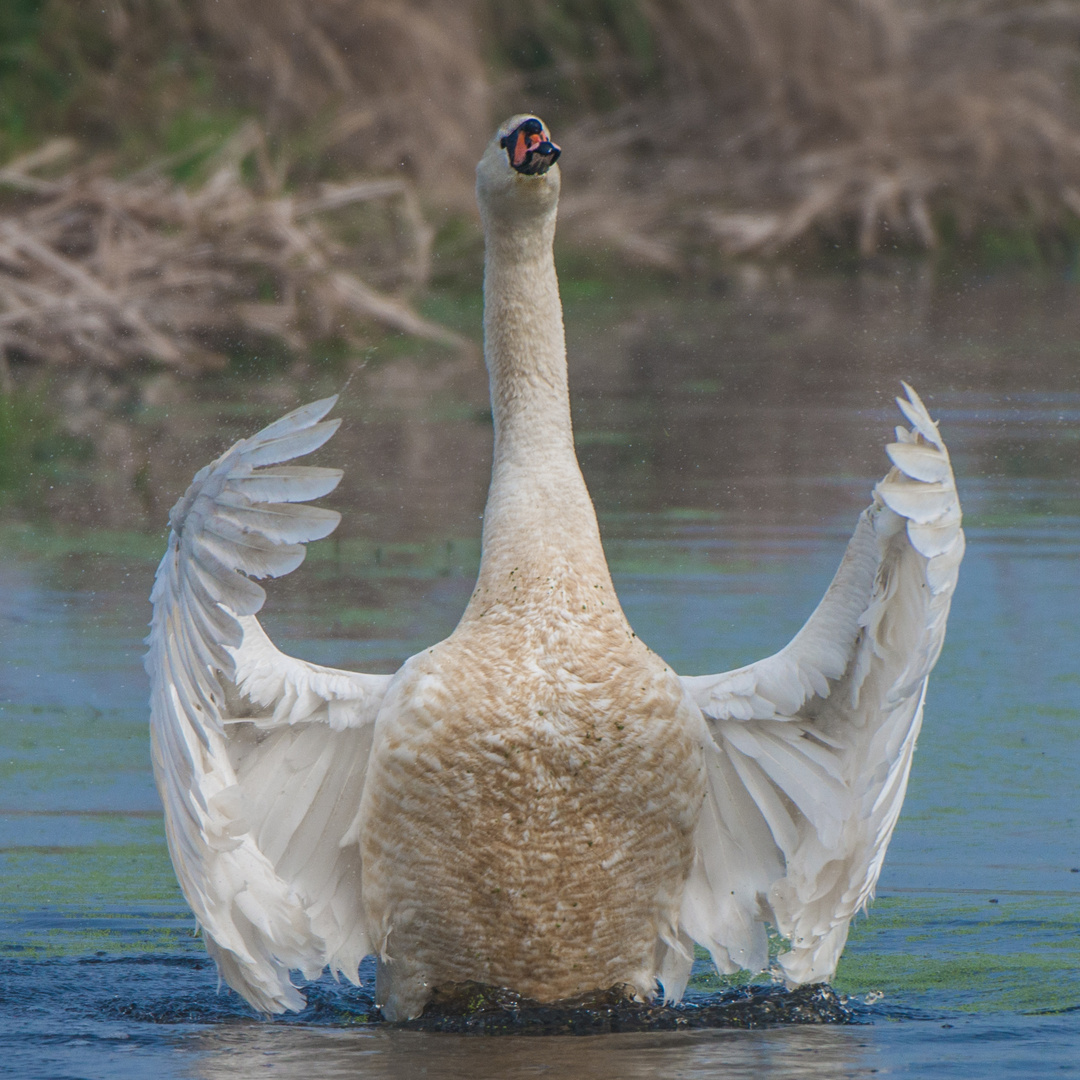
x: 975, y: 939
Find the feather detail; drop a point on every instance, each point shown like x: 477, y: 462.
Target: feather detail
x: 812, y: 747
x: 260, y: 758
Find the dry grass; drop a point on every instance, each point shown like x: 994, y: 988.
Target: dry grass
x: 389, y: 87
x: 849, y: 120
x: 378, y: 87
x: 745, y: 126
x: 104, y: 272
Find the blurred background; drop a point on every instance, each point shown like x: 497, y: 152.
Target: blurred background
x: 194, y: 193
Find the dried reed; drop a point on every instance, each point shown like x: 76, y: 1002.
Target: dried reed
x: 107, y: 272
x: 379, y: 85
x: 864, y: 120
x: 748, y: 126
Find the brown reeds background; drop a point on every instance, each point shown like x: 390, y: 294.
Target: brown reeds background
x: 105, y: 271
x: 865, y: 122
x: 215, y: 141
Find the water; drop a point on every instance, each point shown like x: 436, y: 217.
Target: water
x: 729, y: 443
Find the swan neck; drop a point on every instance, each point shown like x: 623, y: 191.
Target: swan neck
x: 524, y: 346
x: 539, y: 516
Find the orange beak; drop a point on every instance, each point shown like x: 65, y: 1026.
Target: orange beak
x: 522, y: 146
x: 530, y: 149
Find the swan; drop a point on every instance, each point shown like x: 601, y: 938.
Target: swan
x: 538, y: 801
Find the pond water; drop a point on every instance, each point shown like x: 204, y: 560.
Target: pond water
x: 729, y: 441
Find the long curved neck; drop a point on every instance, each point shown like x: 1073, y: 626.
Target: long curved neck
x: 539, y: 522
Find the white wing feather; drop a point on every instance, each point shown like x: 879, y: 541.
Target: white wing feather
x: 259, y: 757
x: 812, y: 746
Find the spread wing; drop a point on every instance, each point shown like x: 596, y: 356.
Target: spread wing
x: 812, y: 746
x: 259, y: 757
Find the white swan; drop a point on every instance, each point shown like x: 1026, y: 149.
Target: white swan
x: 538, y: 801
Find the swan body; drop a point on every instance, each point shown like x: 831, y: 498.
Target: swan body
x: 537, y: 801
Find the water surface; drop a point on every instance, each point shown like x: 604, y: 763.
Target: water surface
x: 729, y: 442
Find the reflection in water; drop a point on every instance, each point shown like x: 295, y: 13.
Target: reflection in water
x: 243, y: 1053
x: 750, y: 405
x: 729, y: 444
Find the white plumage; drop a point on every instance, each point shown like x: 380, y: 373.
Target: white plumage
x: 538, y: 800
x: 831, y: 722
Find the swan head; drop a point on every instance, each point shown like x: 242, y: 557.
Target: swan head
x: 517, y: 177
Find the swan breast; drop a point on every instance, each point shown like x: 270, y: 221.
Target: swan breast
x: 530, y: 806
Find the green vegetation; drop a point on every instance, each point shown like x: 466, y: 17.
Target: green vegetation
x: 925, y: 945
x: 577, y: 54
x: 33, y: 448
x: 105, y: 876
x: 128, y: 77
x: 35, y: 90
x: 122, y: 898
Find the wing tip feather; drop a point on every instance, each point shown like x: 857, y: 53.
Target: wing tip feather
x: 916, y: 511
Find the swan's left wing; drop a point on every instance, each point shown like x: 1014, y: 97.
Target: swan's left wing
x: 812, y: 746
x: 259, y: 757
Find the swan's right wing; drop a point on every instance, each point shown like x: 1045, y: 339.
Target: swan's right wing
x: 260, y: 758
x: 811, y: 748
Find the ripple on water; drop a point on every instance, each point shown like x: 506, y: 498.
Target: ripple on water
x: 728, y: 472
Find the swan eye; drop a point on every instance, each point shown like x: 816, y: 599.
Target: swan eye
x: 529, y: 149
